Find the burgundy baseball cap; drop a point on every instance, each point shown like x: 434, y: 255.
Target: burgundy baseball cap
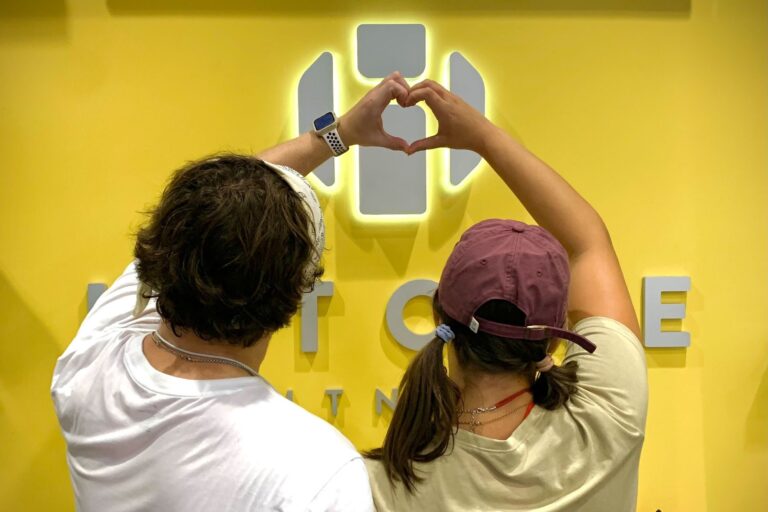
x: 515, y: 262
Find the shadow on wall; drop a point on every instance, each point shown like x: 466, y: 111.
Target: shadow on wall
x: 756, y: 435
x: 477, y: 7
x: 35, y: 20
x: 33, y: 449
x: 666, y: 357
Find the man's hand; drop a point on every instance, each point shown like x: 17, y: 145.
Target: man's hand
x: 459, y: 125
x: 363, y: 125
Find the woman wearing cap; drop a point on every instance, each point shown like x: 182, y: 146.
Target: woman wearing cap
x: 506, y: 428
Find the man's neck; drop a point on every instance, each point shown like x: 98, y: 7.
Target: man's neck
x: 169, y: 363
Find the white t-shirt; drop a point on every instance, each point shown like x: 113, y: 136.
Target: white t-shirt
x: 580, y: 457
x: 141, y: 440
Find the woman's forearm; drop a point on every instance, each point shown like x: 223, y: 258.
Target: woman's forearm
x: 552, y: 202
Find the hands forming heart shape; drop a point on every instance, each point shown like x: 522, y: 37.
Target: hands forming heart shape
x: 459, y: 125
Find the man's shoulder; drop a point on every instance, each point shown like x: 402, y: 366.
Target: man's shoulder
x: 304, y: 429
x: 303, y: 452
x: 86, y: 350
x: 293, y: 427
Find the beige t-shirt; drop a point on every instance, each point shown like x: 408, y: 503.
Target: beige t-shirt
x: 581, y: 457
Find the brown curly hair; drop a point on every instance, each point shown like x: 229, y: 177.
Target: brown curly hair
x: 225, y: 250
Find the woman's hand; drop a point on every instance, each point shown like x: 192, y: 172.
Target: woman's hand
x: 363, y: 125
x: 459, y: 125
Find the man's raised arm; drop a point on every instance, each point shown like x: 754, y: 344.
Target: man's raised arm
x: 362, y: 125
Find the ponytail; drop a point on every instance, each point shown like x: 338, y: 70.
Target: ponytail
x: 554, y: 387
x: 424, y: 420
x: 426, y: 416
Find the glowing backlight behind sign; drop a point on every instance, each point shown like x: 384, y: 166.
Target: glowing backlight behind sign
x: 389, y: 185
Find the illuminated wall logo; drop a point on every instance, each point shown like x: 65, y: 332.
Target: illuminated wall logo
x: 388, y: 182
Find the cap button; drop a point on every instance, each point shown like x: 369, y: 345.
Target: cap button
x: 517, y: 229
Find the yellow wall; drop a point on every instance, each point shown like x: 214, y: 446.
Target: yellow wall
x: 655, y: 110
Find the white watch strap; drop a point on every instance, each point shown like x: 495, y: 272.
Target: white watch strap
x: 334, y: 142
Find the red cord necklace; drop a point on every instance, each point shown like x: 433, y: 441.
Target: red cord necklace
x: 500, y: 403
x: 474, y: 422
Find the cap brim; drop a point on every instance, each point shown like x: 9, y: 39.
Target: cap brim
x: 534, y: 333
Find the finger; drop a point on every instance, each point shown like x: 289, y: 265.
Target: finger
x: 434, y: 101
x: 394, y: 90
x: 435, y: 141
x: 431, y: 84
x: 402, y: 99
x: 397, y: 77
x: 394, y: 143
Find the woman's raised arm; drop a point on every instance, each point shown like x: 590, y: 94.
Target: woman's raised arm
x: 597, y: 283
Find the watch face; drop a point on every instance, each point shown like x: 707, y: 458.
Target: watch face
x: 324, y: 121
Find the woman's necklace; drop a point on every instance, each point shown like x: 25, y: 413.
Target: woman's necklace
x: 474, y: 422
x: 196, y: 357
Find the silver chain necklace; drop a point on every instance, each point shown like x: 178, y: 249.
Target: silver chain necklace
x: 196, y: 357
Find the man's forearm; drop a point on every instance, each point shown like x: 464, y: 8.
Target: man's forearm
x: 362, y: 125
x: 552, y: 202
x: 304, y: 153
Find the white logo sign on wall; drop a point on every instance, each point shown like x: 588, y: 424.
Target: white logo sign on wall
x: 388, y: 182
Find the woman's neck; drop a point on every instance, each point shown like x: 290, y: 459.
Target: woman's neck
x: 481, y: 392
x: 485, y: 390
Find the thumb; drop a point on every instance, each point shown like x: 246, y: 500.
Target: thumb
x: 435, y: 141
x: 394, y: 143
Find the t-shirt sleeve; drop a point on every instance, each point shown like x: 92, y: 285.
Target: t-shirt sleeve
x: 114, y: 310
x: 385, y: 495
x: 347, y: 490
x: 614, y: 377
x: 111, y: 314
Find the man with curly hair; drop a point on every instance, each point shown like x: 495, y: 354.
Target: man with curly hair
x: 159, y: 395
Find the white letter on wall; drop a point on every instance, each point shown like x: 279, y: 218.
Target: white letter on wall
x: 309, y: 315
x: 654, y: 311
x: 335, y: 394
x: 382, y: 399
x: 395, y: 323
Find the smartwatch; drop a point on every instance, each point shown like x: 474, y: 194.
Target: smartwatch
x: 325, y: 127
